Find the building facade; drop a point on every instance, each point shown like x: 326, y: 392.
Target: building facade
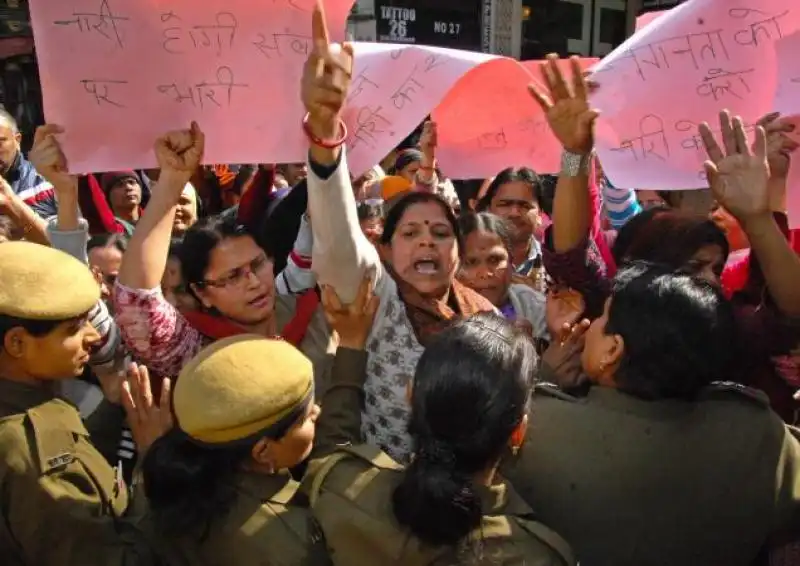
x: 458, y: 24
x: 523, y: 29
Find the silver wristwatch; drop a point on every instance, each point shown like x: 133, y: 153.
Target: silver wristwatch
x: 575, y: 164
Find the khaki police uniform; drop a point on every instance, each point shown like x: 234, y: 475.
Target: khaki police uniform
x: 237, y: 391
x: 351, y: 493
x: 350, y: 490
x: 656, y: 483
x: 269, y: 524
x: 62, y: 504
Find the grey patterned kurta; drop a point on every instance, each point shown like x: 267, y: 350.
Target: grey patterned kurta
x: 393, y: 355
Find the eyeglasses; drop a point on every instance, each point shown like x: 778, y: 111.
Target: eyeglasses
x: 238, y: 277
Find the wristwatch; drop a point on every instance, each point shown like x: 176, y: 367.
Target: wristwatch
x: 575, y: 164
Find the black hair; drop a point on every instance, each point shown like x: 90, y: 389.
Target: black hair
x: 627, y: 234
x: 278, y: 231
x: 174, y: 250
x: 484, y: 222
x: 471, y: 391
x: 200, y: 240
x: 667, y: 236
x: 510, y: 175
x: 369, y: 209
x: 37, y: 328
x: 188, y: 486
x: 679, y: 332
x: 547, y: 192
x: 398, y: 209
x: 467, y: 190
x: 118, y: 241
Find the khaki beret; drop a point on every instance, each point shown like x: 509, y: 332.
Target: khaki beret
x: 240, y: 387
x: 41, y: 283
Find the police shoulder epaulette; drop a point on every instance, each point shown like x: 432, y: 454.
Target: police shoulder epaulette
x: 373, y: 455
x: 552, y: 390
x: 718, y: 388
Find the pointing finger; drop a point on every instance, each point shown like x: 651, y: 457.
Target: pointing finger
x: 319, y: 29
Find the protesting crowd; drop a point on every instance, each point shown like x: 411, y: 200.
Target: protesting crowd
x: 262, y: 364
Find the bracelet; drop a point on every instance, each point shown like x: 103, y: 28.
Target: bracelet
x: 327, y: 144
x: 575, y: 164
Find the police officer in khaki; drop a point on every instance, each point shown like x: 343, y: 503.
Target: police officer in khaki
x: 218, y: 485
x: 62, y: 503
x: 449, y: 506
x: 245, y: 413
x: 659, y: 464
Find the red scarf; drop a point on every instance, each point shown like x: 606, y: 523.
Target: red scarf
x: 217, y: 328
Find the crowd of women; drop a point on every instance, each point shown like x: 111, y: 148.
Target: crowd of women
x: 294, y: 366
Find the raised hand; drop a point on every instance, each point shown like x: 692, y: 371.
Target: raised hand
x: 563, y: 357
x: 49, y: 159
x: 567, y: 107
x: 181, y: 151
x: 148, y: 420
x: 352, y: 322
x: 429, y: 138
x: 6, y: 195
x: 738, y: 175
x: 779, y: 145
x: 563, y: 309
x: 326, y: 79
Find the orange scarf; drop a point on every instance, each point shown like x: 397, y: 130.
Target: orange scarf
x: 430, y: 316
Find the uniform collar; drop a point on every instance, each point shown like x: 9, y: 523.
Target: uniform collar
x: 501, y: 499
x: 615, y: 400
x: 19, y: 397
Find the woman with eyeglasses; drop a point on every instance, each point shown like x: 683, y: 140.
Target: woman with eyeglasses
x: 222, y: 266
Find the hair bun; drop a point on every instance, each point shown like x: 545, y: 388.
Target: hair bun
x: 435, y: 451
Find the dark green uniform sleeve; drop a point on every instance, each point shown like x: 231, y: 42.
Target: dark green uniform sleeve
x: 340, y: 421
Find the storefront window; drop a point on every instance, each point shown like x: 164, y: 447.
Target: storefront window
x: 549, y: 27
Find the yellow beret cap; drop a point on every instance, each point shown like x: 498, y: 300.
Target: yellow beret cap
x: 41, y: 283
x: 239, y: 387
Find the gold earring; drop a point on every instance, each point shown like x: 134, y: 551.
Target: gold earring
x: 514, y: 450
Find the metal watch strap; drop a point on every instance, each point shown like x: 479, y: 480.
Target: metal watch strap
x: 575, y: 164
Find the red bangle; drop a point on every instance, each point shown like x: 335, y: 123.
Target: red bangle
x: 327, y: 144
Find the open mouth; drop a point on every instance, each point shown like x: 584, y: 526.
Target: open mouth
x: 260, y: 302
x: 427, y: 266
